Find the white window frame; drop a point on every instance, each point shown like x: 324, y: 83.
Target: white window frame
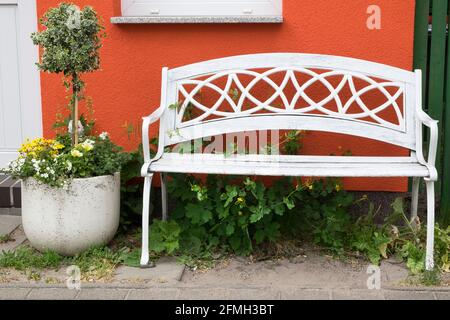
x: 202, y: 8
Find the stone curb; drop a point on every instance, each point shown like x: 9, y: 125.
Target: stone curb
x: 40, y: 293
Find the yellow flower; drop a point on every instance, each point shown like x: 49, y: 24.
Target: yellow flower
x: 309, y: 184
x: 34, y: 148
x: 88, y: 145
x: 338, y: 187
x: 76, y: 154
x: 240, y: 200
x: 58, y: 146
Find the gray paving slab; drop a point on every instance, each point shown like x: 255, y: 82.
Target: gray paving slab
x: 350, y: 294
x: 102, y: 294
x: 305, y: 294
x: 205, y: 294
x: 14, y: 293
x: 154, y: 294
x: 254, y: 294
x: 17, y: 238
x: 408, y: 295
x: 443, y: 295
x: 52, y: 294
x: 167, y: 269
x: 8, y: 224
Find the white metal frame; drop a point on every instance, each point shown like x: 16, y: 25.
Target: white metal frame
x: 405, y: 132
x: 29, y: 77
x: 213, y: 8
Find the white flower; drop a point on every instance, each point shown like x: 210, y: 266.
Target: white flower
x: 69, y: 165
x: 104, y: 135
x: 16, y: 165
x: 36, y: 165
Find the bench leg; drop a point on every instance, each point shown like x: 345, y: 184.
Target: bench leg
x: 164, y: 196
x: 429, y: 264
x: 145, y: 257
x: 414, y: 198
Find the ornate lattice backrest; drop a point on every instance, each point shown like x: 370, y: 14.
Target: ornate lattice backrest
x: 290, y: 91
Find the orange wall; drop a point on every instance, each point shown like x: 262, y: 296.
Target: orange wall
x: 128, y: 84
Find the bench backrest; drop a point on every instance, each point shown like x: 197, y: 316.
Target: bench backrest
x: 293, y: 92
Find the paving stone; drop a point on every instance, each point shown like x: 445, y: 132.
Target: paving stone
x: 102, y: 294
x: 154, y: 294
x: 18, y: 237
x: 305, y: 294
x: 167, y: 269
x: 13, y: 293
x: 8, y: 224
x: 254, y: 294
x: 443, y: 295
x: 206, y: 294
x: 408, y: 295
x: 348, y: 294
x: 52, y: 294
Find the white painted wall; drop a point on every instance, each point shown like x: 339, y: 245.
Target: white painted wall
x: 20, y: 99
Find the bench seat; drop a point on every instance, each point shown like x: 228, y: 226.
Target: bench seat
x: 299, y: 166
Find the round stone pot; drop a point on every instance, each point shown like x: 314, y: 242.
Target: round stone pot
x: 71, y: 220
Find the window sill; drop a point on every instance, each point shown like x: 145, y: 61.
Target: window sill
x: 196, y: 19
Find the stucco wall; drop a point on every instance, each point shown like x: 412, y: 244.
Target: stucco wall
x: 128, y: 84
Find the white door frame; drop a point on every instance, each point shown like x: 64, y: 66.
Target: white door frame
x: 29, y: 76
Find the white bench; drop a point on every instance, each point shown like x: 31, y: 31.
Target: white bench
x: 342, y: 77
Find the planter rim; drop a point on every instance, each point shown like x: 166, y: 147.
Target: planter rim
x: 76, y: 179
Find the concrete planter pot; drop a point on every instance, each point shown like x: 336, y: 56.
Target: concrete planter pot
x: 73, y: 219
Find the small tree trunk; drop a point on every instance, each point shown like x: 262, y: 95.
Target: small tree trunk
x: 75, y: 85
x: 75, y: 120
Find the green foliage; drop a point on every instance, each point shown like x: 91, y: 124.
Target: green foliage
x: 24, y: 258
x: 164, y: 236
x: 292, y: 142
x: 131, y: 191
x: 70, y: 40
x: 95, y: 263
x: 325, y: 213
x: 236, y: 214
x: 4, y: 238
x: 98, y: 262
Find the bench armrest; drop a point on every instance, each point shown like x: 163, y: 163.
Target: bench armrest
x: 147, y: 121
x: 426, y: 120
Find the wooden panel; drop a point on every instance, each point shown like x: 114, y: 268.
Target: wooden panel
x: 445, y: 195
x: 437, y: 68
x: 421, y: 42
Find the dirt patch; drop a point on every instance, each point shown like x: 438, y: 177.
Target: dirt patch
x: 311, y: 270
